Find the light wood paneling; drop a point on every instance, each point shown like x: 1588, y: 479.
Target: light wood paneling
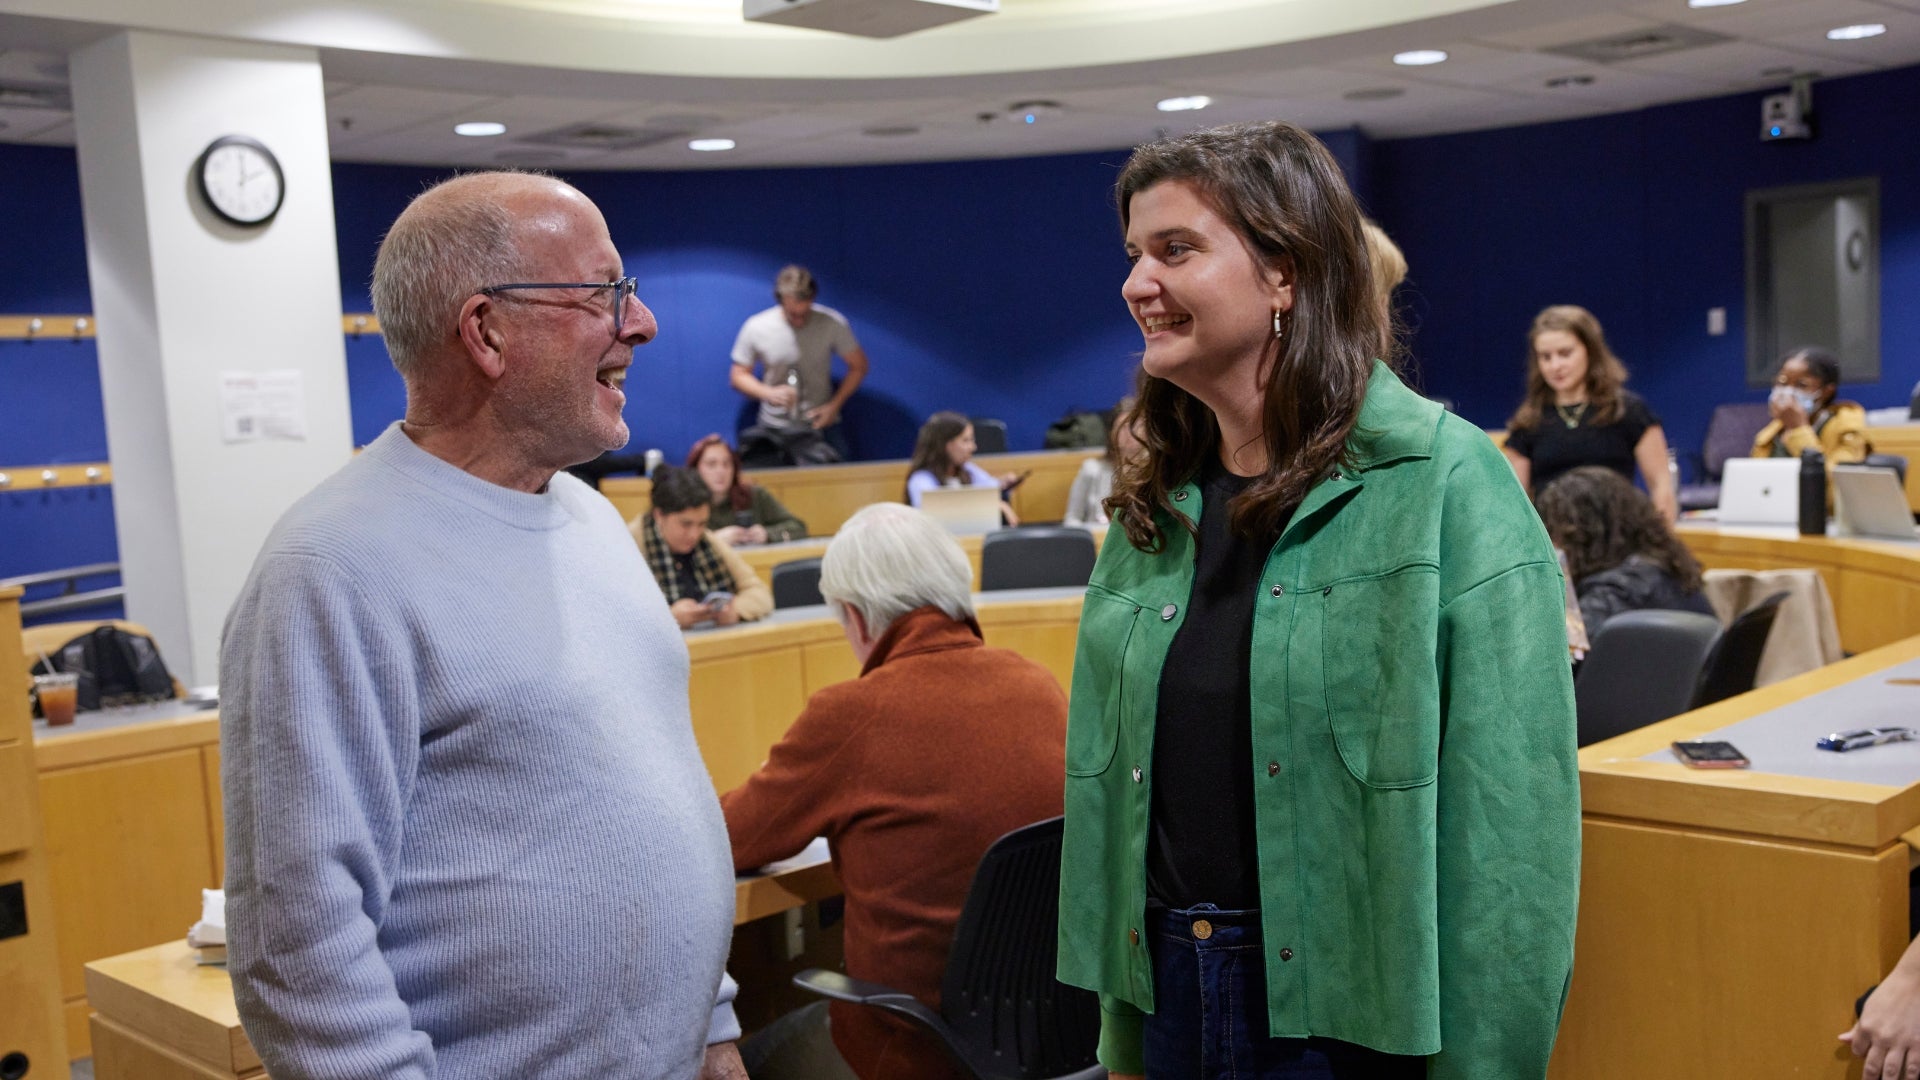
x: 216, y: 815
x: 825, y: 496
x: 120, y: 1053
x: 745, y: 702
x: 31, y: 1020
x: 1875, y: 585
x: 163, y: 993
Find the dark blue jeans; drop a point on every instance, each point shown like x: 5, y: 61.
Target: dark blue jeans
x: 1210, y: 1010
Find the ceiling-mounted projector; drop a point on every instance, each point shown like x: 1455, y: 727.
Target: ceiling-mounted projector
x: 867, y: 18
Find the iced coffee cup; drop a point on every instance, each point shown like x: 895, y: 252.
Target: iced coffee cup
x: 59, y: 697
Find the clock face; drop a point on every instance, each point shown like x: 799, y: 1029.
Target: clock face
x: 241, y: 180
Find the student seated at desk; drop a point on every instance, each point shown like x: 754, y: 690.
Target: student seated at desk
x: 742, y: 513
x: 911, y: 771
x: 943, y: 457
x: 1807, y: 414
x: 690, y: 563
x: 1620, y: 553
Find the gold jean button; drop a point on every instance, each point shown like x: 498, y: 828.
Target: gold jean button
x: 1202, y: 929
x: 1133, y: 937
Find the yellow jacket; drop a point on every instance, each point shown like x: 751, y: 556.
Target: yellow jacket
x: 1842, y: 437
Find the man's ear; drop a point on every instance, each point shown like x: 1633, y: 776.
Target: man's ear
x: 1280, y: 277
x: 482, y: 336
x: 858, y: 623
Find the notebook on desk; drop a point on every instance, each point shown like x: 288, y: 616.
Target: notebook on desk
x: 1760, y: 491
x: 1867, y: 501
x: 970, y: 508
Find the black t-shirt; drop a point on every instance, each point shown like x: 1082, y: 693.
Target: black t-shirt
x: 1200, y: 844
x: 1553, y: 446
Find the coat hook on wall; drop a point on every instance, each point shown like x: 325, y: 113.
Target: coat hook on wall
x: 93, y: 474
x: 5, y: 480
x: 48, y: 476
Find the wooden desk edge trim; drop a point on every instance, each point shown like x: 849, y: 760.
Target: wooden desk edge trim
x: 65, y: 750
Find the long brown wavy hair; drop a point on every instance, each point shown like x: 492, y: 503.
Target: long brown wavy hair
x: 1600, y: 520
x: 930, y: 449
x: 739, y: 492
x: 1284, y: 193
x: 1606, y: 375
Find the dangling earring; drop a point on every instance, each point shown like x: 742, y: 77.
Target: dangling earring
x: 1279, y: 328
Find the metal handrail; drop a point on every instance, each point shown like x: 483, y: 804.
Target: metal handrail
x: 73, y: 601
x: 69, y: 575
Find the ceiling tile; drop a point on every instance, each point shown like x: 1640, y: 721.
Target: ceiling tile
x: 1900, y: 45
x: 1548, y: 35
x: 19, y: 125
x: 1766, y: 18
x: 374, y: 110
x: 1469, y: 64
x: 1742, y: 64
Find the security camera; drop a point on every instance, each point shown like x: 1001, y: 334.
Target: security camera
x: 1788, y: 115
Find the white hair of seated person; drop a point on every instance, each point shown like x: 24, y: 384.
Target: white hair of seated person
x: 889, y: 559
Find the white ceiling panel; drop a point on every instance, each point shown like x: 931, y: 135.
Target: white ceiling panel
x: 1740, y: 65
x: 17, y: 125
x: 1561, y: 32
x: 1900, y: 45
x: 32, y: 66
x: 1468, y: 64
x: 60, y: 134
x: 368, y: 110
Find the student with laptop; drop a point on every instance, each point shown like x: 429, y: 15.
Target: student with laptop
x: 943, y: 457
x: 1807, y: 416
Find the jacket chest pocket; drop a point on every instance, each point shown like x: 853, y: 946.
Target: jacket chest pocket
x: 1378, y: 647
x: 1099, y: 681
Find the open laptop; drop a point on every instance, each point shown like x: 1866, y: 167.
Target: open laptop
x: 1760, y: 491
x: 1868, y: 502
x: 969, y: 508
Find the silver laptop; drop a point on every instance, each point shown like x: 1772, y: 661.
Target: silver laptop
x: 1869, y: 502
x: 1760, y: 491
x: 969, y: 508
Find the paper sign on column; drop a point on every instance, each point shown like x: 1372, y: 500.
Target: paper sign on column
x: 262, y: 405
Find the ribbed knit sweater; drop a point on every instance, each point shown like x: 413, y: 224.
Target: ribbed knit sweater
x: 469, y: 833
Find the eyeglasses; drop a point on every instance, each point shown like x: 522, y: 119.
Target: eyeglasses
x: 623, y: 289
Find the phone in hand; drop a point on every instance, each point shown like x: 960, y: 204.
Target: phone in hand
x: 1018, y: 480
x: 717, y: 600
x: 1710, y: 755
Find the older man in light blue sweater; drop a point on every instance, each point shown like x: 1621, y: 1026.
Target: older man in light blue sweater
x: 469, y: 834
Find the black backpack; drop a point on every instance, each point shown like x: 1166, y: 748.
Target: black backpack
x: 1077, y: 429
x: 115, y: 668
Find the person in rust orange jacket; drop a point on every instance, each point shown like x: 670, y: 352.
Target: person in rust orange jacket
x: 910, y: 771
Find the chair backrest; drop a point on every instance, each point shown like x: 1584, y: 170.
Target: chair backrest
x: 1896, y: 462
x: 1036, y: 557
x: 1643, y: 668
x: 1735, y: 658
x: 989, y: 435
x: 1008, y: 1014
x: 796, y: 583
x: 1913, y: 406
x: 1730, y: 433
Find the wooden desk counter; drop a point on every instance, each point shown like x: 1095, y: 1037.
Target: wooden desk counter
x: 161, y: 1015
x: 133, y: 815
x: 825, y: 496
x: 1728, y: 919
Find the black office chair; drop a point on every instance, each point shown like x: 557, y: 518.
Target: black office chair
x: 1730, y: 434
x: 989, y: 435
x: 1036, y: 557
x: 1643, y: 668
x: 1002, y: 1014
x: 1735, y: 658
x: 1896, y: 462
x: 796, y: 583
x: 1913, y: 406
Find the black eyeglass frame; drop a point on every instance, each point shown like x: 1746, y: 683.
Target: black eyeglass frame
x: 623, y: 288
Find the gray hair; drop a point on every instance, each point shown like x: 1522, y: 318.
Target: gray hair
x: 453, y: 240
x: 889, y: 559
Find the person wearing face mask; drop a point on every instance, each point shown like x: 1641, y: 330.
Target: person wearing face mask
x: 1807, y: 416
x: 1578, y: 411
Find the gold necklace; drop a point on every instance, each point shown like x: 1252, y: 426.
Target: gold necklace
x: 1571, y: 416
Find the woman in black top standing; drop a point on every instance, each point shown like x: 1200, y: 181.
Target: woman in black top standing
x: 1578, y: 411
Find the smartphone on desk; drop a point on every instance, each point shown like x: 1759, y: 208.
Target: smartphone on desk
x: 1710, y: 755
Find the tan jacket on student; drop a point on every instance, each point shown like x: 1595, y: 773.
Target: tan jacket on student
x: 1840, y: 433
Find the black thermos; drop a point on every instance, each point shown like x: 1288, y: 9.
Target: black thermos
x: 1813, y: 493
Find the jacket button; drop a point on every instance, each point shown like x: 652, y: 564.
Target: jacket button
x: 1286, y: 954
x: 1179, y: 496
x: 1273, y: 768
x: 1133, y: 937
x: 1279, y: 590
x: 1136, y: 774
x: 1328, y: 591
x: 1167, y: 613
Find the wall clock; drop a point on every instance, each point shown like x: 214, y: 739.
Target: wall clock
x: 241, y: 180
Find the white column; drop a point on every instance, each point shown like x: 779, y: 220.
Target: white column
x: 183, y: 298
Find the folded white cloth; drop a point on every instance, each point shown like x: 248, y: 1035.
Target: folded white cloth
x: 212, y: 927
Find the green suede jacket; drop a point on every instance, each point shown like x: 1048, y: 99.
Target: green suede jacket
x: 1416, y: 795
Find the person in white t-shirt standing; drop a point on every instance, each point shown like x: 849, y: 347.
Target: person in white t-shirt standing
x: 783, y: 358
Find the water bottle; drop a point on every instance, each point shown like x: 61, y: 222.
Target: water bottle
x: 1813, y: 493
x: 654, y: 459
x: 793, y: 380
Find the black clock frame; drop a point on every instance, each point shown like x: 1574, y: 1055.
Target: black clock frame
x: 200, y: 179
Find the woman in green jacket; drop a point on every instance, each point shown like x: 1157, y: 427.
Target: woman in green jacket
x: 1322, y: 802
x: 742, y: 513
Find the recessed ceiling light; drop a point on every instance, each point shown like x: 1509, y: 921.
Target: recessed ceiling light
x: 1713, y: 3
x: 1374, y: 93
x: 1419, y: 57
x: 1184, y: 104
x: 1856, y: 32
x: 710, y: 145
x: 479, y: 128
